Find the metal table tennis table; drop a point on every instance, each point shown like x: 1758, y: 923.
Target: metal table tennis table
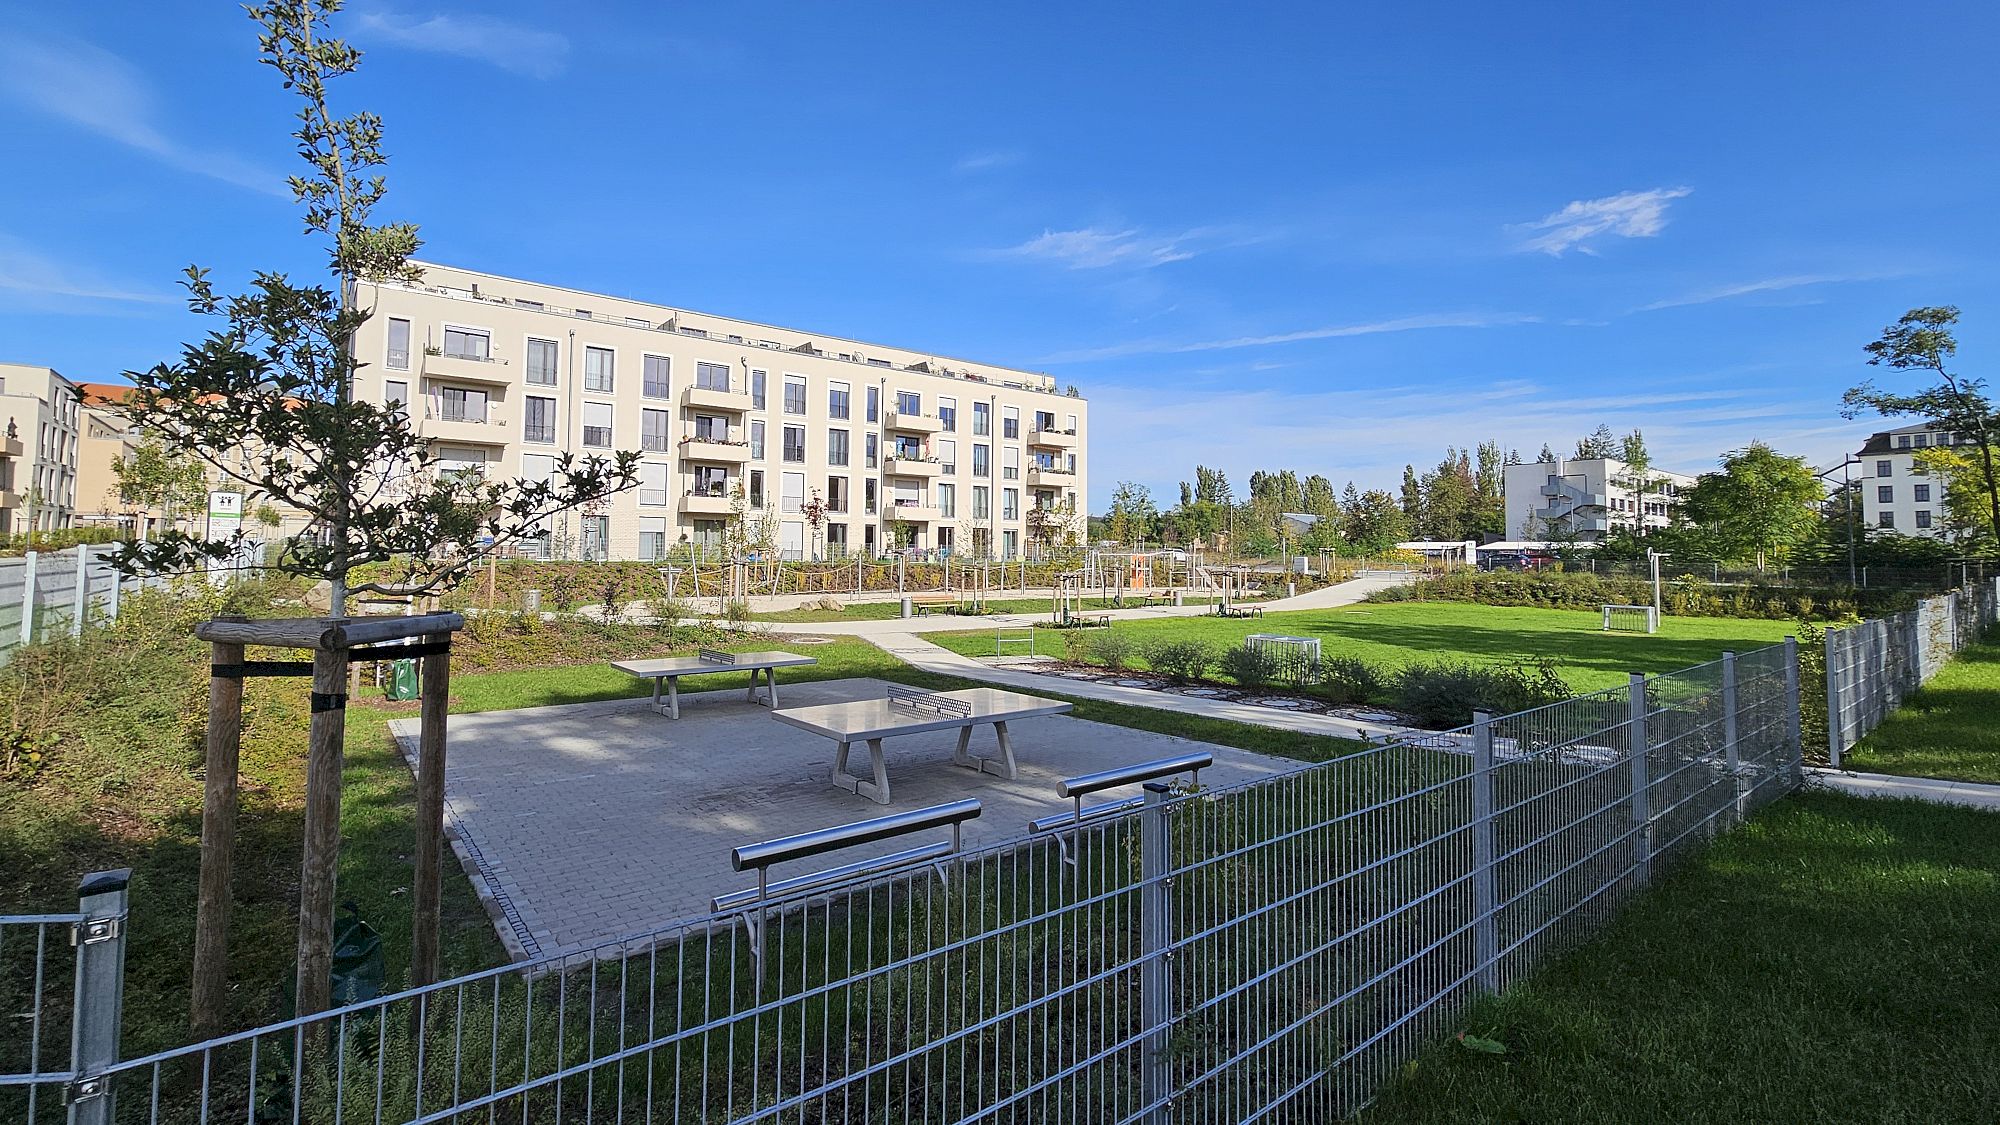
x: 913, y: 711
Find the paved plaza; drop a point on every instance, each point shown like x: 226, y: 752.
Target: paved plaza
x: 586, y: 822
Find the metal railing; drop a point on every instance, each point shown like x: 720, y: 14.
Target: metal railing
x: 1872, y: 666
x: 1265, y: 950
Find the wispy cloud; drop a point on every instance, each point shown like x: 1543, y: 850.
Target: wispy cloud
x: 973, y: 162
x: 1328, y: 332
x: 30, y: 278
x: 1096, y: 248
x: 1768, y: 285
x: 510, y: 46
x: 96, y: 90
x: 1631, y: 214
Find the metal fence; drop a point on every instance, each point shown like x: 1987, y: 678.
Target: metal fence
x: 1268, y: 951
x: 1871, y: 667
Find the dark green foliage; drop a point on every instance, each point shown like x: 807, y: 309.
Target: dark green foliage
x: 1445, y: 693
x: 1250, y: 667
x: 1180, y: 660
x: 1345, y: 679
x: 1112, y: 648
x: 1686, y: 596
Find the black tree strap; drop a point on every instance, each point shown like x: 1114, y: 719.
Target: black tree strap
x: 324, y: 702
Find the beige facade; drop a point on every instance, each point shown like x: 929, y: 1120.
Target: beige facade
x: 38, y: 449
x: 904, y: 450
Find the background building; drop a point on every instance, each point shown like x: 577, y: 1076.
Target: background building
x: 901, y: 449
x: 38, y: 449
x: 1585, y: 499
x: 1896, y: 494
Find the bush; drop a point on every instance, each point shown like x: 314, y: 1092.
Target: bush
x: 1347, y: 679
x: 1112, y: 649
x: 1445, y: 693
x: 1249, y: 667
x: 1077, y: 645
x: 1687, y: 596
x: 736, y: 612
x: 1181, y: 660
x: 668, y: 613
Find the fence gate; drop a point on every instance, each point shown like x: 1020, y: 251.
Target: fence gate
x: 61, y: 976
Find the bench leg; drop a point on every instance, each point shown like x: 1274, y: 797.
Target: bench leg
x: 771, y: 687
x: 876, y: 790
x: 750, y: 696
x: 1002, y: 765
x: 673, y: 697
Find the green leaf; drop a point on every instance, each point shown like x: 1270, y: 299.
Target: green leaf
x: 1484, y: 1046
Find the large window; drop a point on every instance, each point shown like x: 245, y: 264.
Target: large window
x: 653, y: 483
x: 757, y: 439
x: 540, y: 424
x: 947, y: 453
x: 982, y: 503
x: 948, y: 414
x: 1010, y: 503
x: 655, y: 379
x: 836, y: 447
x: 1010, y: 423
x: 711, y: 427
x: 836, y: 400
x: 711, y: 376
x: 711, y: 480
x: 871, y: 452
x: 793, y: 496
x: 597, y: 369
x: 757, y: 379
x: 597, y: 425
x: 542, y: 363
x: 395, y: 394
x: 874, y: 403
x: 982, y: 461
x: 1044, y: 420
x: 1010, y: 462
x: 653, y: 430
x: 982, y: 419
x: 908, y: 448
x: 836, y: 494
x: 947, y: 499
x: 795, y: 395
x: 909, y: 402
x: 456, y: 404
x: 652, y: 538
x: 399, y: 345
x: 1885, y: 494
x: 467, y: 343
x: 795, y: 444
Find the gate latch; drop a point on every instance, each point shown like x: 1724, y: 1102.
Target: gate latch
x: 90, y: 931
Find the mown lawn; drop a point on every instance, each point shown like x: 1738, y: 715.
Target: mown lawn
x: 1396, y: 633
x: 884, y: 611
x: 1950, y: 728
x: 1832, y: 961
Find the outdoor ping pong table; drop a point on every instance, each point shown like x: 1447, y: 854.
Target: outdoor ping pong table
x: 913, y: 711
x: 670, y: 669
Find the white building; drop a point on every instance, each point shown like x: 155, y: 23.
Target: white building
x: 1586, y: 499
x: 1896, y: 494
x: 38, y: 449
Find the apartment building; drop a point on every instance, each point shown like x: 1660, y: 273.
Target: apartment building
x: 1896, y: 494
x: 900, y: 450
x: 38, y: 449
x: 1586, y: 499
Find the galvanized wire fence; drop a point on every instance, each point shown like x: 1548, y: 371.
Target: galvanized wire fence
x: 1872, y: 666
x: 1268, y: 951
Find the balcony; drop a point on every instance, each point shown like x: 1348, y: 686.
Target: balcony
x: 721, y: 451
x: 1052, y: 439
x: 914, y: 423
x: 913, y: 511
x: 716, y: 398
x: 468, y: 369
x: 912, y: 467
x: 10, y: 501
x: 1048, y: 476
x: 712, y: 502
x: 11, y: 446
x: 465, y: 430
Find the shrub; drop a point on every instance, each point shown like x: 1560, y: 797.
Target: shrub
x: 1250, y: 667
x: 668, y: 613
x: 736, y: 612
x: 1347, y: 679
x: 1445, y: 693
x: 1077, y: 645
x: 1112, y: 648
x: 1180, y: 660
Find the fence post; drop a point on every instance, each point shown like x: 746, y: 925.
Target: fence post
x: 1485, y: 937
x: 117, y: 587
x: 80, y: 597
x: 1155, y: 950
x: 28, y: 598
x: 1836, y: 667
x: 1792, y: 727
x: 100, y: 990
x: 1732, y: 757
x: 1642, y: 817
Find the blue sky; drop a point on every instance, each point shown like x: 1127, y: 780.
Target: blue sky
x: 1313, y: 236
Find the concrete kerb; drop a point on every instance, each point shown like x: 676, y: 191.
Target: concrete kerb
x: 1937, y: 791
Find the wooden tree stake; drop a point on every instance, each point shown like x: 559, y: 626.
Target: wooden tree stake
x: 209, y: 997
x: 324, y: 756
x: 424, y: 925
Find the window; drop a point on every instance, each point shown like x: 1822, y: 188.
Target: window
x: 874, y: 403
x: 653, y: 483
x: 871, y: 452
x: 836, y: 538
x: 1071, y: 424
x: 795, y: 395
x: 1008, y: 541
x: 541, y: 363
x: 1010, y: 503
x: 652, y: 538
x: 836, y: 400
x: 467, y: 343
x: 868, y: 496
x: 795, y: 444
x: 755, y: 498
x: 654, y: 377
x: 711, y: 376
x: 982, y: 461
x: 947, y: 455
x: 597, y: 369
x: 836, y: 494
x: 793, y: 496
x: 981, y: 501
x: 908, y: 448
x: 596, y: 536
x: 947, y: 498
x: 1884, y: 469
x: 1924, y: 518
x: 757, y: 388
x: 711, y: 481
x: 1010, y: 423
x: 1885, y: 519
x: 1044, y: 420
x: 1921, y: 493
x: 1903, y: 441
x: 1885, y: 494
x: 711, y: 427
x: 597, y: 425
x: 537, y: 466
x: 982, y: 419
x: 1923, y: 440
x: 909, y: 402
x: 399, y: 344
x: 836, y: 447
x: 653, y: 431
x: 948, y: 414
x: 540, y: 423
x: 757, y: 439
x: 455, y: 404
x: 1010, y: 461
x: 396, y: 393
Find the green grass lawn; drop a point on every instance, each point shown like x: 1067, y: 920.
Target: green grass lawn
x: 884, y: 611
x: 1950, y: 728
x: 1830, y: 961
x: 1397, y: 633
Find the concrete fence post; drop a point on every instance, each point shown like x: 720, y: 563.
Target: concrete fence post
x: 1485, y: 927
x: 100, y: 991
x: 1642, y: 817
x: 80, y: 597
x: 1156, y: 1000
x: 1836, y: 724
x: 111, y: 595
x: 28, y: 597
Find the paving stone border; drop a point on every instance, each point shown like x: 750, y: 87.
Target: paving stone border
x: 1225, y: 693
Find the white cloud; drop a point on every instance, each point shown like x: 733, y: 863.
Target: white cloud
x: 98, y: 91
x: 985, y: 161
x: 1768, y: 285
x: 39, y: 281
x: 503, y: 43
x: 1631, y: 214
x: 1096, y: 248
x: 1330, y: 332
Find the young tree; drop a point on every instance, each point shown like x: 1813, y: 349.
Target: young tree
x: 1637, y: 478
x: 1377, y: 522
x: 1547, y: 455
x: 1133, y: 516
x: 1961, y: 490
x: 1761, y: 504
x: 1599, y: 444
x: 1412, y: 497
x: 1211, y: 486
x: 1922, y: 341
x: 266, y: 400
x: 157, y: 476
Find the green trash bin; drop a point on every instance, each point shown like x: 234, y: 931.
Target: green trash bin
x: 402, y: 680
x: 357, y: 958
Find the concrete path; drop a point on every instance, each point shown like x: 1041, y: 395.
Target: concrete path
x: 1935, y: 790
